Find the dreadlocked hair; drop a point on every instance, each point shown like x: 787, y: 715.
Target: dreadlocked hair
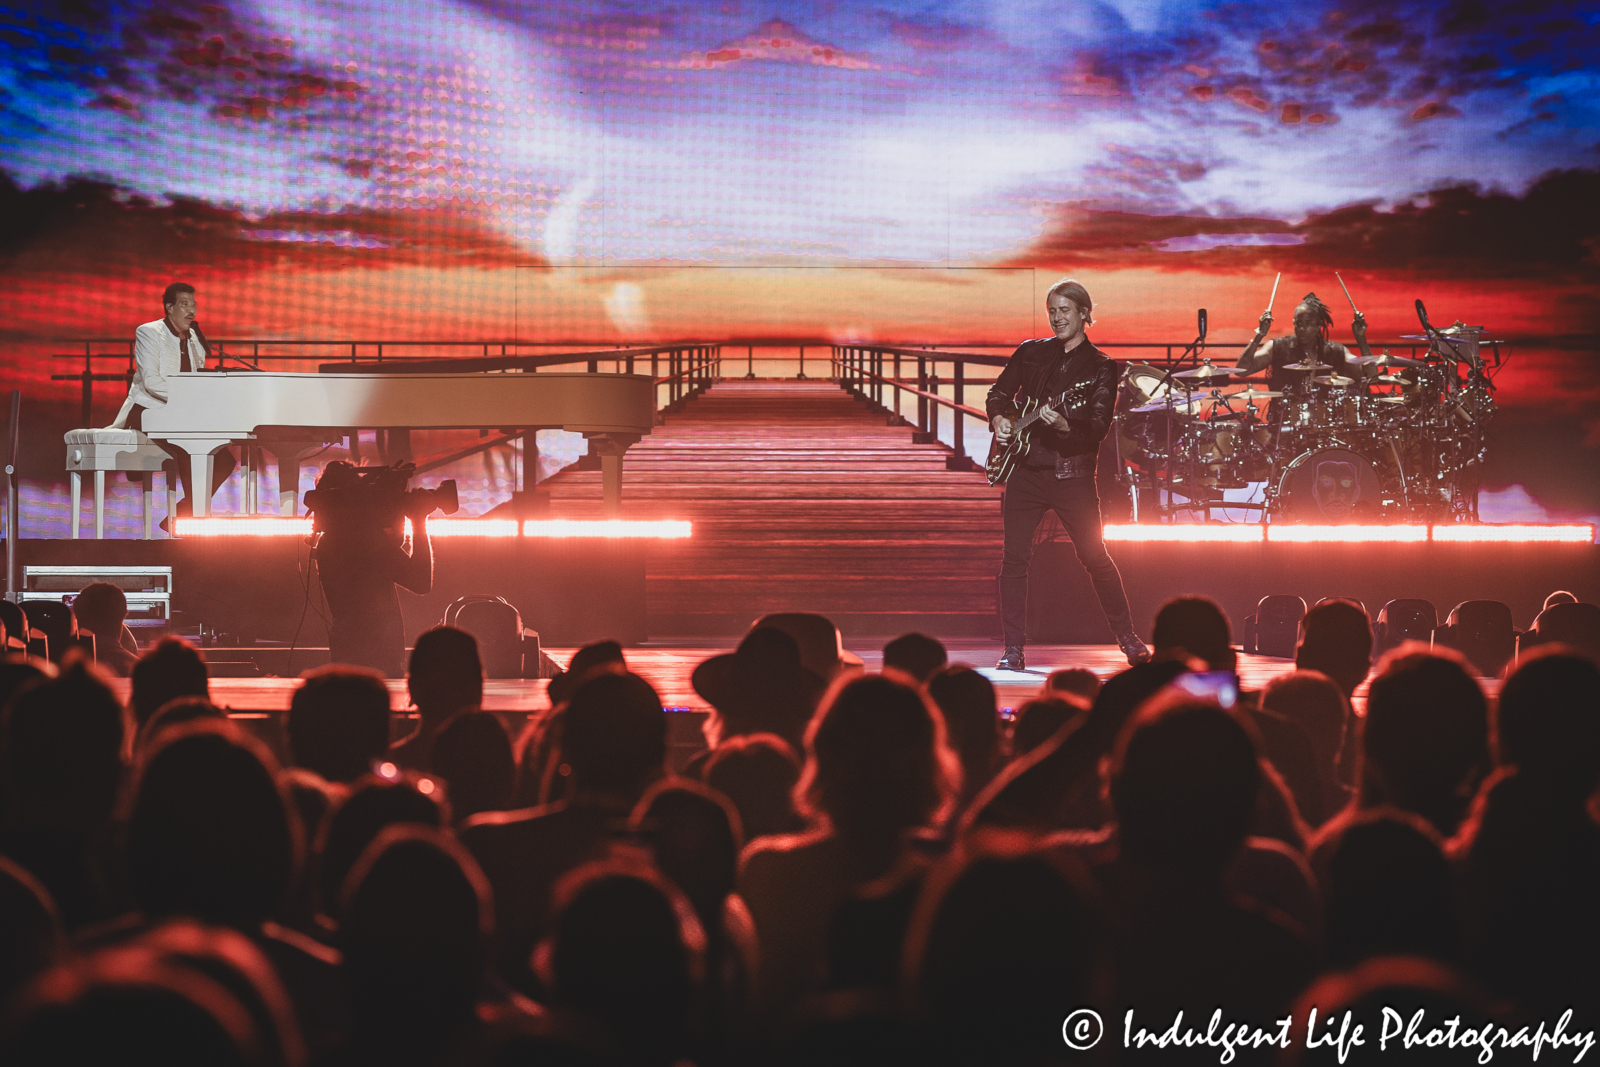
x: 1317, y: 308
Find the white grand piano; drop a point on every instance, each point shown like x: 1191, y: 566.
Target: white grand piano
x: 281, y: 412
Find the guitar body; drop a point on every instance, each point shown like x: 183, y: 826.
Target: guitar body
x: 1003, y: 460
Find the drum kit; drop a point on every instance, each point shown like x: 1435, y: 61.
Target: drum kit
x: 1392, y: 438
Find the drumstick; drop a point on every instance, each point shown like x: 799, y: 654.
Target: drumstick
x: 1273, y: 299
x: 1346, y: 292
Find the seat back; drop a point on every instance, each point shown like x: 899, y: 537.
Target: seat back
x: 55, y: 620
x: 1481, y: 630
x: 1277, y: 627
x: 1400, y: 621
x: 497, y: 625
x: 1577, y: 625
x: 17, y: 628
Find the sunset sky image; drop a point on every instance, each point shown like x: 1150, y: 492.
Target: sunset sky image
x: 916, y: 173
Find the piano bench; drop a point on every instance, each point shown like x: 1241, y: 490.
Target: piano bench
x: 117, y: 450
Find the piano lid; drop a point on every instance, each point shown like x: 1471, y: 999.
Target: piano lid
x: 238, y: 404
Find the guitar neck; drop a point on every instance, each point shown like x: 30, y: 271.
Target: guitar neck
x: 1038, y: 413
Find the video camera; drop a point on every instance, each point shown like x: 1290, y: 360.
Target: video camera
x: 349, y: 495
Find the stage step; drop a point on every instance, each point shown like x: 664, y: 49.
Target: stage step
x: 803, y: 498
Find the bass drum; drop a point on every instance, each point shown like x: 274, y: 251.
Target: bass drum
x: 1330, y: 485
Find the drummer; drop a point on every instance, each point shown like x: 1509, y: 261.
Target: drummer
x: 1287, y: 358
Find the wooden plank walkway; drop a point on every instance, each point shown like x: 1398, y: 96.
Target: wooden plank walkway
x: 804, y: 499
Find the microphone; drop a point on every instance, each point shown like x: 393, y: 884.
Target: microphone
x: 1202, y: 324
x: 1422, y: 315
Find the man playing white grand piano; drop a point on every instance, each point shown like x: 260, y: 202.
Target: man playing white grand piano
x: 170, y: 345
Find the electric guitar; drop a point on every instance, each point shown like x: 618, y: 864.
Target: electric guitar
x: 1003, y: 459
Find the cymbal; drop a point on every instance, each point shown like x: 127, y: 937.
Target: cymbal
x: 1385, y: 360
x: 1455, y: 333
x: 1390, y: 379
x: 1206, y: 373
x: 1311, y: 365
x: 1338, y: 381
x: 1181, y: 407
x: 1253, y: 393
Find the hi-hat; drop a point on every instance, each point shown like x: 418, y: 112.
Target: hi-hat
x: 1253, y: 393
x: 1338, y: 381
x: 1311, y: 365
x: 1390, y: 379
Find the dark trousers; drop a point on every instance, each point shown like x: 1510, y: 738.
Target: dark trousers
x: 1077, y: 505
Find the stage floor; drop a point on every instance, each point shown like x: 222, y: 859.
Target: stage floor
x: 668, y: 668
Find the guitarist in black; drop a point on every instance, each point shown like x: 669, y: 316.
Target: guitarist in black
x: 1057, y: 471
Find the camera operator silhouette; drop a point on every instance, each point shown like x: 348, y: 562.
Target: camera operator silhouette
x: 362, y: 556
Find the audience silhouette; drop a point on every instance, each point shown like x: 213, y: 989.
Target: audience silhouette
x: 101, y: 609
x: 878, y: 771
x: 173, y: 668
x: 971, y: 720
x: 1425, y: 738
x: 915, y: 654
x: 444, y: 676
x: 758, y: 772
x: 1184, y: 782
x: 613, y: 745
x: 61, y: 761
x: 859, y: 869
x: 338, y: 722
x: 1530, y: 850
x: 472, y: 753
x: 417, y: 918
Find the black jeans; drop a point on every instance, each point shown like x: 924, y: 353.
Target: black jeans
x: 1075, y: 502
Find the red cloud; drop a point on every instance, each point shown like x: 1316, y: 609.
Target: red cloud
x: 775, y: 41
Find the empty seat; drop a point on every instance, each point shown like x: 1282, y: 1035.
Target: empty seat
x: 21, y: 637
x: 1577, y: 625
x: 506, y: 648
x: 1481, y: 630
x: 1400, y: 621
x: 1274, y: 629
x: 55, y: 621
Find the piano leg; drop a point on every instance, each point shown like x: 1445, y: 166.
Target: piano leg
x: 201, y: 466
x: 99, y: 505
x: 250, y: 459
x: 77, y: 501
x: 288, y: 456
x: 610, y: 447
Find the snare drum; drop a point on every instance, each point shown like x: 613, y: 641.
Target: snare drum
x: 1333, y: 406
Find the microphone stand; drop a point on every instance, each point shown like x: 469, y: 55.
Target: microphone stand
x: 1193, y: 348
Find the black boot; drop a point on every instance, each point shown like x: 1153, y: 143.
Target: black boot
x: 1134, y: 649
x: 1012, y: 660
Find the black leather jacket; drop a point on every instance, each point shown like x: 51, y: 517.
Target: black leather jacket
x: 1039, y: 367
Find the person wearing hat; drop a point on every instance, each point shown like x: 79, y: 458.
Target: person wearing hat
x: 822, y: 650
x: 762, y: 688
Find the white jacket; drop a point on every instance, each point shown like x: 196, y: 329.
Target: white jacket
x: 156, y: 354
